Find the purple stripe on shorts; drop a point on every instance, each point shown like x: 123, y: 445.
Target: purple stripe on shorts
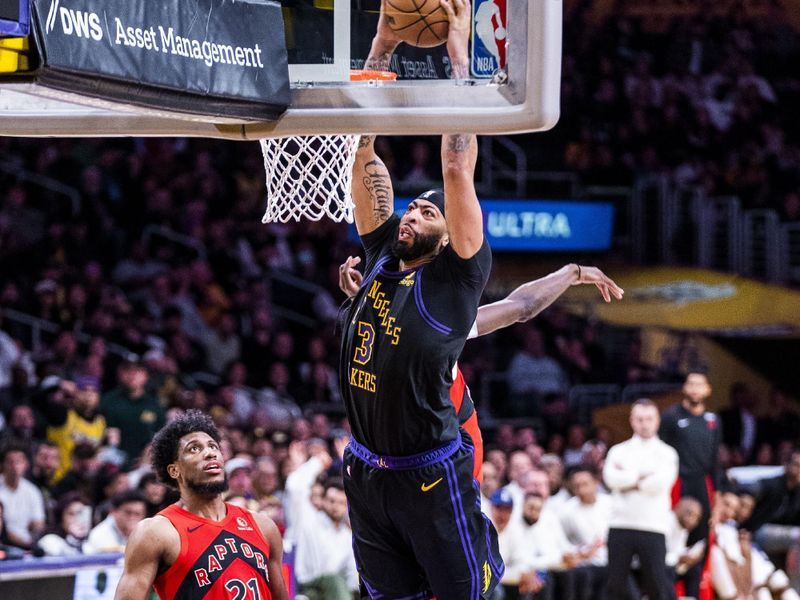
x: 463, y: 528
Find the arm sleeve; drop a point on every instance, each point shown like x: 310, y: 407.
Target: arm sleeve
x: 616, y: 474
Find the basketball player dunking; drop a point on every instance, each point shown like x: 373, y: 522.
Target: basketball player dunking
x: 418, y: 531
x: 520, y: 306
x: 200, y: 547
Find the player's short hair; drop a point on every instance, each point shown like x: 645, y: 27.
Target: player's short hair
x: 165, y: 442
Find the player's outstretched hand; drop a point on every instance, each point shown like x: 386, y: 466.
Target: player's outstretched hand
x: 350, y: 278
x: 607, y: 287
x: 459, y: 14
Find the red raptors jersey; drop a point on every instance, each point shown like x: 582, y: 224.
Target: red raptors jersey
x: 468, y: 419
x: 219, y: 560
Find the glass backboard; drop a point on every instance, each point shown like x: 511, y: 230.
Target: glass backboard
x: 512, y: 85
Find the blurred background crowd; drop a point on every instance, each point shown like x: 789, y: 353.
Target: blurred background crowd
x: 156, y: 289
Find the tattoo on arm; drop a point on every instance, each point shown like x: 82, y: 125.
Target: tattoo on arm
x: 379, y: 186
x: 458, y: 143
x: 365, y: 141
x: 379, y: 62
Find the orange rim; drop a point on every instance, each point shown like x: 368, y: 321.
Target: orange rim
x: 371, y: 75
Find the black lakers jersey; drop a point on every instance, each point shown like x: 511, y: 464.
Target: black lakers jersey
x: 403, y: 334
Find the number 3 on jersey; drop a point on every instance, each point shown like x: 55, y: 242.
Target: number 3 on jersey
x: 363, y: 352
x: 239, y: 589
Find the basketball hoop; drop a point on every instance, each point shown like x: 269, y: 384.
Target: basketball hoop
x: 311, y: 176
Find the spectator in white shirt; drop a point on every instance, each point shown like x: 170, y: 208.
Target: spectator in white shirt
x: 324, y: 561
x: 551, y: 551
x: 519, y: 577
x: 586, y: 515
x: 640, y: 473
x: 111, y: 534
x: 23, y: 502
x: 740, y: 569
x: 685, y: 517
x: 585, y: 519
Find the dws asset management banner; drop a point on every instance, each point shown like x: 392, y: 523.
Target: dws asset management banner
x: 211, y: 57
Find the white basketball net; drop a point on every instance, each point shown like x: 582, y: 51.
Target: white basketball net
x: 309, y: 176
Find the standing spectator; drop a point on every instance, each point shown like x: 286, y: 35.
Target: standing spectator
x: 640, y: 474
x: 23, y: 502
x: 132, y: 409
x: 695, y: 434
x: 111, y: 534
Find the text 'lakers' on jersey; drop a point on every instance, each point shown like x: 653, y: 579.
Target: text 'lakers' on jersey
x: 225, y: 560
x: 404, y: 333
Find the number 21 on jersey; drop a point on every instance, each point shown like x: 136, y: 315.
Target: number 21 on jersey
x: 239, y: 589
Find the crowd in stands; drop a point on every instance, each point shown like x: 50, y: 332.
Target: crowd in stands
x: 158, y: 293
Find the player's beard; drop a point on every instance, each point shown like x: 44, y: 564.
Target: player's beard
x: 211, y: 488
x: 422, y: 245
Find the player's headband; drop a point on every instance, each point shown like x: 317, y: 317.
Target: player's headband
x: 435, y: 197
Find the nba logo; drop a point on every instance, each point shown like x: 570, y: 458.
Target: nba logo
x: 489, y: 37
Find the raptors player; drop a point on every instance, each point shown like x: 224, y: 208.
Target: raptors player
x: 200, y: 547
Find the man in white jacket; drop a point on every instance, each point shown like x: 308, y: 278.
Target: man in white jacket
x: 640, y: 473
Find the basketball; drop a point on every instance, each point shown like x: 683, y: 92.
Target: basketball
x: 421, y: 23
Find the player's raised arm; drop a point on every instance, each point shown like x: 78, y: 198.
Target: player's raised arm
x: 373, y: 195
x: 531, y: 298
x: 143, y: 556
x: 460, y: 152
x: 383, y: 45
x: 464, y: 218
